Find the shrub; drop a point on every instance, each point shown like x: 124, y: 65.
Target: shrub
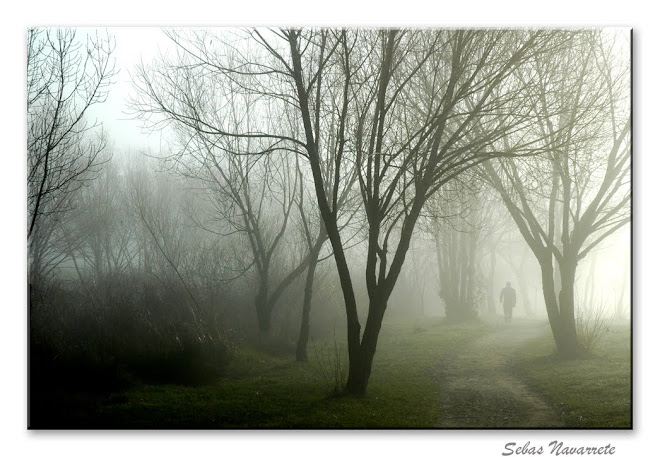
x: 331, y: 366
x: 84, y: 345
x: 591, y: 322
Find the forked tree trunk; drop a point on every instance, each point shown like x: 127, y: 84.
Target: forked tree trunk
x: 265, y: 300
x: 362, y: 355
x: 360, y: 366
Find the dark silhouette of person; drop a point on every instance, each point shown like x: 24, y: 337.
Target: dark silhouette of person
x: 508, y: 300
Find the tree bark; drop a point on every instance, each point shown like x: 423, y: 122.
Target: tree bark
x: 570, y: 347
x: 360, y: 368
x: 301, y: 348
x: 561, y: 309
x: 264, y: 311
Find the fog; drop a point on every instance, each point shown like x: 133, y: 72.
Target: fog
x: 205, y: 203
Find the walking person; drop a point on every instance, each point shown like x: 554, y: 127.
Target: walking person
x: 508, y: 300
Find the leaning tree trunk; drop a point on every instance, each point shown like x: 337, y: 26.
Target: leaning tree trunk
x: 550, y: 298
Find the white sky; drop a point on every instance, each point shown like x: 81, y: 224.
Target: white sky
x: 133, y: 45
x: 14, y: 20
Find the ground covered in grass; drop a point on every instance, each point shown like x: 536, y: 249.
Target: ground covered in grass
x: 590, y: 393
x: 265, y: 391
x: 426, y: 374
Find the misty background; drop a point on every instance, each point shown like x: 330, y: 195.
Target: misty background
x: 193, y: 196
x: 485, y: 14
x: 607, y: 269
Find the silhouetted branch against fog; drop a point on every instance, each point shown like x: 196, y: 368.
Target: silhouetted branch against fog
x: 399, y: 167
x: 385, y: 119
x: 66, y: 75
x: 575, y: 194
x: 252, y: 193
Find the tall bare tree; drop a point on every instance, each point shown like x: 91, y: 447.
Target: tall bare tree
x: 249, y: 194
x: 577, y: 193
x: 393, y: 111
x: 314, y: 243
x: 65, y: 78
x: 414, y: 97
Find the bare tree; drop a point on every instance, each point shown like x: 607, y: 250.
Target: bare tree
x: 309, y: 219
x: 413, y: 96
x: 416, y: 96
x: 65, y: 78
x: 459, y: 218
x: 249, y: 194
x: 166, y: 244
x: 577, y: 193
x: 99, y: 237
x: 392, y: 111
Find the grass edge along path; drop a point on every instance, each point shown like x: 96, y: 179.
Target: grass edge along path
x: 590, y: 393
x: 481, y: 391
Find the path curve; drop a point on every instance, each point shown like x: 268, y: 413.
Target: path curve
x: 478, y: 388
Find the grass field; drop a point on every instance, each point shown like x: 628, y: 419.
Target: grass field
x: 265, y: 391
x: 592, y: 393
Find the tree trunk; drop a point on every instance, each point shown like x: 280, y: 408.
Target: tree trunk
x: 360, y: 369
x: 569, y: 347
x: 301, y: 348
x: 561, y: 310
x: 264, y: 311
x: 490, y: 296
x: 422, y: 307
x: 524, y: 292
x: 379, y: 294
x: 353, y: 326
x: 472, y: 307
x: 550, y: 298
x: 619, y: 302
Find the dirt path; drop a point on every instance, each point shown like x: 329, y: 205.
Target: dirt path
x: 479, y: 389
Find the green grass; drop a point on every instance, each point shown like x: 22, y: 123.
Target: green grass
x: 263, y: 391
x: 591, y: 393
